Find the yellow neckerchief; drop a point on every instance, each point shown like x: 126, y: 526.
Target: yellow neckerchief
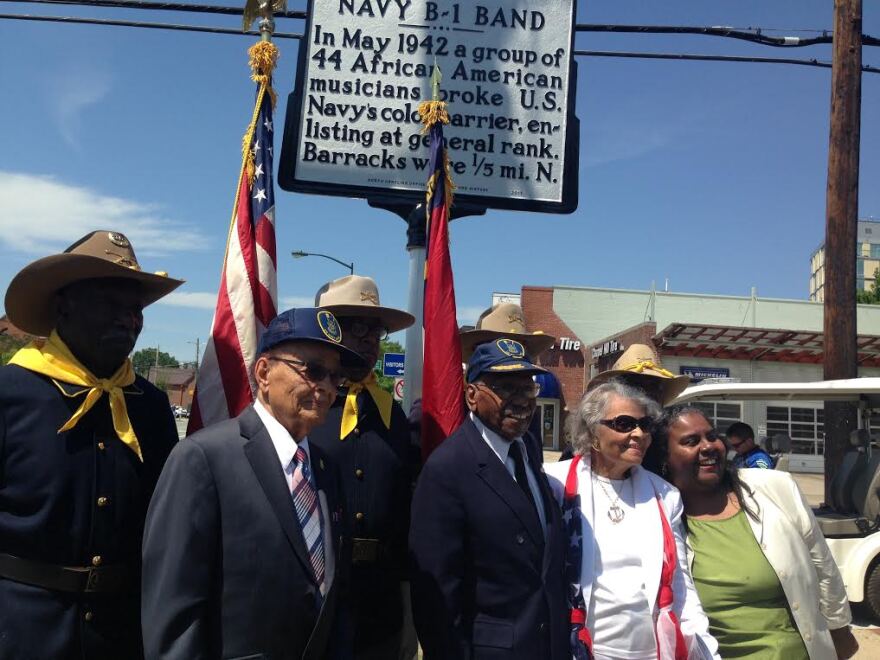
x: 382, y: 399
x: 641, y: 365
x: 52, y: 358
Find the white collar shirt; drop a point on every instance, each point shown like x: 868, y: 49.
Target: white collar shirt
x: 501, y: 448
x: 285, y: 445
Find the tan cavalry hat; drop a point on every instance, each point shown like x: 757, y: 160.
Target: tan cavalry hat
x: 30, y: 301
x: 504, y: 320
x: 356, y: 295
x: 639, y: 365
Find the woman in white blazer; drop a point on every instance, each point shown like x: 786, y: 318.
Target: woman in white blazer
x: 631, y: 595
x: 762, y: 568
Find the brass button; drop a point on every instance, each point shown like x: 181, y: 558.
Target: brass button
x: 101, y: 446
x: 795, y: 606
x: 359, y: 516
x: 359, y: 473
x: 97, y: 560
x: 103, y: 501
x: 88, y: 616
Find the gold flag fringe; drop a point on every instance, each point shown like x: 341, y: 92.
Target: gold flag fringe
x: 431, y: 113
x: 262, y: 57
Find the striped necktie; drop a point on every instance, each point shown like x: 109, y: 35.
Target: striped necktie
x: 305, y: 501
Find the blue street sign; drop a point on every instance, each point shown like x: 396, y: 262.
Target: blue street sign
x: 392, y: 364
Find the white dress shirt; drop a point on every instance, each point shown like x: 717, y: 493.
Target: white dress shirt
x: 501, y: 448
x: 285, y: 447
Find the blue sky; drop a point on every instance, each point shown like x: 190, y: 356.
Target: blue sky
x: 710, y: 174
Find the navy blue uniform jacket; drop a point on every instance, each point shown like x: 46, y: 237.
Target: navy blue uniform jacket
x: 226, y: 569
x: 377, y: 483
x: 74, y: 499
x: 485, y: 583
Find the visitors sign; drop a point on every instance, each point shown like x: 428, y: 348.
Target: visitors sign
x: 353, y: 128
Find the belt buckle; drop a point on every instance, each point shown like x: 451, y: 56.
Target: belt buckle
x: 364, y: 550
x: 93, y: 577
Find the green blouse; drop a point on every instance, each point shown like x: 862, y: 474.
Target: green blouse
x: 747, y: 609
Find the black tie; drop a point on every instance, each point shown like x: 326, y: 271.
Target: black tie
x: 519, y: 470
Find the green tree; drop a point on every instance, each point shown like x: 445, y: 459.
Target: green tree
x: 145, y: 358
x: 870, y: 296
x: 8, y: 347
x: 387, y: 382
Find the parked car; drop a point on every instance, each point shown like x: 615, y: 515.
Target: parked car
x: 850, y: 521
x: 180, y: 412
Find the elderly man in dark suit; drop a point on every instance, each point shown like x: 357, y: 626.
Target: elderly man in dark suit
x: 82, y: 443
x: 242, y: 549
x: 486, y: 537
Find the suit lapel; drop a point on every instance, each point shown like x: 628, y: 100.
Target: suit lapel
x: 551, y: 511
x: 264, y: 462
x: 651, y: 539
x: 491, y: 470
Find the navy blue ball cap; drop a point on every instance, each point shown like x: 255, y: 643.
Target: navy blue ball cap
x: 309, y: 324
x: 502, y: 356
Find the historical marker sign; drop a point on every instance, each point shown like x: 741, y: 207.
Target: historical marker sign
x: 352, y: 125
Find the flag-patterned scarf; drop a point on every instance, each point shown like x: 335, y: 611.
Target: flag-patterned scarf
x: 671, y: 644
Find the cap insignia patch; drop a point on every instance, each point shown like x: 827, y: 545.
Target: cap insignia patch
x: 329, y: 326
x: 369, y: 295
x: 511, y: 348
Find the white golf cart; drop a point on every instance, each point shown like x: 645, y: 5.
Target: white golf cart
x: 851, y: 520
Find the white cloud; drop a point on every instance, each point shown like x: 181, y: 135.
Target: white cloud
x: 72, y: 93
x: 192, y: 299
x: 39, y: 214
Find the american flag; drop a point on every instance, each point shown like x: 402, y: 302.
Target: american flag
x: 579, y: 641
x: 248, y: 295
x: 443, y: 384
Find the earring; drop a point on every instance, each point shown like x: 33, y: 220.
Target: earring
x: 664, y: 469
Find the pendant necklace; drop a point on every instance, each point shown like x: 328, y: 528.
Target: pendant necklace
x: 615, y: 513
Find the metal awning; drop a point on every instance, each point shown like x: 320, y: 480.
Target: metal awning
x: 724, y: 342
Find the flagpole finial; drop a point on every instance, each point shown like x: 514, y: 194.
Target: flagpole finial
x: 436, y: 77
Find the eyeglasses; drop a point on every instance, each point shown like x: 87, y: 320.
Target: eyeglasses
x: 628, y: 423
x: 505, y: 391
x: 359, y: 330
x: 312, y: 371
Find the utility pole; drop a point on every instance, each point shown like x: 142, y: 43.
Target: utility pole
x: 841, y: 216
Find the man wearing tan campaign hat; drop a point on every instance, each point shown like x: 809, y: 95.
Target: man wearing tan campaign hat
x: 83, y: 441
x: 639, y: 366
x: 503, y: 320
x: 367, y: 434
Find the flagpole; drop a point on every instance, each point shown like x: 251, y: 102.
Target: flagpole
x: 415, y: 245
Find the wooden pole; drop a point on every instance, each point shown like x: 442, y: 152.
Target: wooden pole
x: 841, y: 217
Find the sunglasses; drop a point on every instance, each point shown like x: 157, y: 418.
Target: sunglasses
x: 359, y: 330
x: 314, y: 372
x: 505, y: 391
x: 628, y: 424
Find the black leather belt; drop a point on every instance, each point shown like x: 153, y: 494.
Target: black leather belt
x: 367, y: 551
x: 95, y: 579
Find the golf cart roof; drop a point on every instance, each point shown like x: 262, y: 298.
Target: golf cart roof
x: 853, y: 389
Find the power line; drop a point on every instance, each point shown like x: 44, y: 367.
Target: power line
x: 140, y: 24
x: 714, y: 58
x: 159, y: 6
x: 293, y: 35
x: 754, y: 35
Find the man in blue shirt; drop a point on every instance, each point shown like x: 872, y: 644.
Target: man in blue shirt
x: 741, y: 438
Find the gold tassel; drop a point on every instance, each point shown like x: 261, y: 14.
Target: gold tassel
x: 262, y: 57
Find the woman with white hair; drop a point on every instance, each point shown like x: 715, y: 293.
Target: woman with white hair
x: 631, y: 594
